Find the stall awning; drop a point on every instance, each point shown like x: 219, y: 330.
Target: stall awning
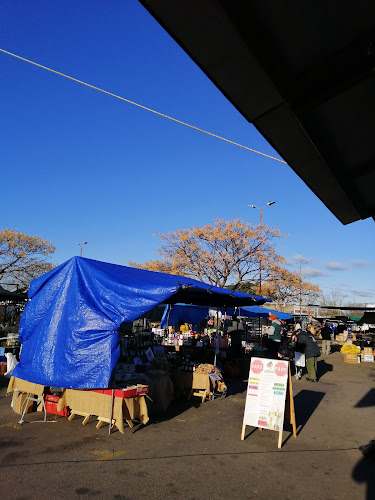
x: 303, y: 74
x: 193, y: 315
x: 255, y: 311
x: 14, y: 296
x: 69, y: 328
x: 368, y: 318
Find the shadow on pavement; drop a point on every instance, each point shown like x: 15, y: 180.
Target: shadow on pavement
x: 367, y: 400
x: 235, y: 386
x: 323, y: 368
x: 4, y: 382
x: 363, y: 472
x: 176, y: 408
x: 181, y: 405
x: 305, y: 403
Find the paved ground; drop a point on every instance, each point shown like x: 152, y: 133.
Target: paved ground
x: 196, y: 452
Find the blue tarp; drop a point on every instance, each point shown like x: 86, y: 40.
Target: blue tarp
x: 255, y: 311
x: 193, y: 315
x: 69, y: 329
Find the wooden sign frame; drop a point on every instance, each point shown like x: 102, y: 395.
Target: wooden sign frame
x: 289, y: 408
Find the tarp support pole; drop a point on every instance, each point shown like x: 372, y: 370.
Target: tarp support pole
x: 217, y: 334
x: 260, y: 330
x: 169, y: 311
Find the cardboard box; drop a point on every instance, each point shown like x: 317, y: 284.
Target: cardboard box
x: 351, y: 358
x: 368, y: 358
x: 367, y: 350
x: 18, y: 400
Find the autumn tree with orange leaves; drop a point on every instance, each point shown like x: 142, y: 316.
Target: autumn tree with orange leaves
x: 22, y: 258
x: 285, y: 286
x: 226, y: 253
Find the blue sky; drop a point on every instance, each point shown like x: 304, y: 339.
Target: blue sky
x: 78, y: 165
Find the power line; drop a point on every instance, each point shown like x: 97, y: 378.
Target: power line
x: 343, y: 290
x: 142, y: 107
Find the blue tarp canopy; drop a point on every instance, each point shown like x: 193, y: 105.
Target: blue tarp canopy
x: 193, y: 315
x: 69, y: 329
x: 255, y: 311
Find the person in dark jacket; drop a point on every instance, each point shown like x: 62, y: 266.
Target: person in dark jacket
x: 274, y: 338
x: 306, y: 343
x: 326, y: 333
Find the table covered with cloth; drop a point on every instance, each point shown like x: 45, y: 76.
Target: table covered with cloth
x: 160, y: 391
x: 93, y: 403
x: 186, y: 382
x: 20, y: 388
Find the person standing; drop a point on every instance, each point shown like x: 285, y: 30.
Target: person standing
x: 307, y: 342
x: 274, y: 338
x: 326, y: 334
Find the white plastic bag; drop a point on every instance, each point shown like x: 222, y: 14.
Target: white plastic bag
x: 11, y: 364
x: 299, y: 359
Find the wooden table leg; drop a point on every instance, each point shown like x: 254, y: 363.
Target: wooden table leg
x: 243, y: 432
x: 86, y: 419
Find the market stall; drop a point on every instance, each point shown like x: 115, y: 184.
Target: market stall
x: 70, y: 328
x: 237, y: 339
x: 86, y: 403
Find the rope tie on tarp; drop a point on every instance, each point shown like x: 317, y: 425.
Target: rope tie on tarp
x: 183, y: 287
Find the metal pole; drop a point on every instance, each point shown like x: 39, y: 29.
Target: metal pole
x: 113, y: 383
x: 300, y: 295
x: 111, y: 413
x: 260, y: 251
x: 217, y: 333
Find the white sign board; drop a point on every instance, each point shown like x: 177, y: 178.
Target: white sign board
x: 266, y: 393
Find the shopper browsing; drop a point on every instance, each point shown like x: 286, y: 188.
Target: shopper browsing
x: 326, y: 333
x: 306, y: 343
x: 274, y: 337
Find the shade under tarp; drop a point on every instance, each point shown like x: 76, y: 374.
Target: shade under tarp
x: 15, y: 296
x: 356, y: 318
x: 368, y: 318
x: 69, y: 329
x: 255, y: 311
x: 193, y: 315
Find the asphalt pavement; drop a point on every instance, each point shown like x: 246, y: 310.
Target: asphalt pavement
x: 195, y: 452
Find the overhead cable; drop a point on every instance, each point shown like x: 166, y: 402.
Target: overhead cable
x: 142, y: 107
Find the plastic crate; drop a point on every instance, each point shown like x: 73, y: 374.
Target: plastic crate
x: 51, y: 407
x: 128, y: 392
x: 3, y: 369
x: 51, y: 398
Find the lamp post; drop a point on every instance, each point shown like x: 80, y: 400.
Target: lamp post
x: 300, y: 288
x: 81, y: 245
x: 269, y: 203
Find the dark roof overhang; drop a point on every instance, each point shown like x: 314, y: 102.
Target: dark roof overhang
x: 303, y: 73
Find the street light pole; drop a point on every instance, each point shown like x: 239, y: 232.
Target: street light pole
x: 300, y: 288
x: 269, y: 203
x: 300, y: 293
x: 81, y: 245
